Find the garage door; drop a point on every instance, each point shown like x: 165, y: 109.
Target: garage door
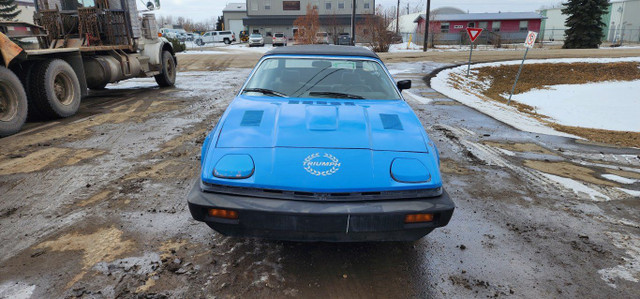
x: 236, y: 26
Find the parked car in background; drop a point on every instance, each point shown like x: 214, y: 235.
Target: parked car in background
x: 319, y: 145
x: 256, y: 39
x: 226, y: 37
x: 322, y: 38
x: 279, y: 39
x: 344, y: 39
x: 191, y: 36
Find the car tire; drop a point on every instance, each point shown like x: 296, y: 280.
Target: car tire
x: 227, y: 41
x: 54, y: 89
x: 13, y: 103
x: 167, y: 77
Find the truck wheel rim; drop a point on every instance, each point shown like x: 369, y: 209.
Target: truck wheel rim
x: 8, y: 102
x: 63, y: 89
x: 170, y: 68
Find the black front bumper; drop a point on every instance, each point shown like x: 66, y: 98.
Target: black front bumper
x: 320, y: 221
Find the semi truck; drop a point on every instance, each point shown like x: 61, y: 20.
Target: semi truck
x: 74, y: 46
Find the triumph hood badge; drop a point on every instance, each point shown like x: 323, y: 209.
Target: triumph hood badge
x: 321, y: 165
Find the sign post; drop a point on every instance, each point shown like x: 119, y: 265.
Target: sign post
x: 528, y: 43
x: 473, y: 35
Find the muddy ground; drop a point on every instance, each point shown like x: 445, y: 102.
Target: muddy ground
x: 94, y: 206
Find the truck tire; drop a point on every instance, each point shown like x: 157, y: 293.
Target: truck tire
x: 13, y: 103
x: 227, y: 41
x: 168, y: 76
x: 25, y: 78
x: 54, y: 89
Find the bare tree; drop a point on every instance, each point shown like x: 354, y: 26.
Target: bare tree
x: 333, y: 27
x: 308, y: 25
x: 373, y: 30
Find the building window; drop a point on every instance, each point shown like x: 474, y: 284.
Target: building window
x: 444, y: 27
x: 483, y: 25
x: 340, y: 5
x: 268, y: 30
x: 267, y: 5
x: 471, y: 25
x: 524, y: 25
x: 367, y: 5
x: 327, y: 6
x: 254, y: 4
x: 495, y: 27
x: 290, y: 5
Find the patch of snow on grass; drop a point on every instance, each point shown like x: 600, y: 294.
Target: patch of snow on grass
x: 604, y: 105
x: 469, y: 95
x: 404, y: 47
x: 507, y: 114
x: 577, y: 187
x: 16, y: 290
x: 619, y: 179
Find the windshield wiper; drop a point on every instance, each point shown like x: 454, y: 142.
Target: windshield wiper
x: 335, y: 94
x: 266, y: 91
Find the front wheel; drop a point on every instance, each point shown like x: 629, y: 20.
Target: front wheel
x: 227, y: 41
x: 167, y: 77
x: 13, y: 103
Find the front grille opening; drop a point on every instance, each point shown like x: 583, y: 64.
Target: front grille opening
x: 307, y: 102
x: 370, y: 193
x: 321, y: 103
x: 303, y: 193
x: 272, y: 191
x: 335, y: 103
x: 294, y: 102
x: 340, y: 194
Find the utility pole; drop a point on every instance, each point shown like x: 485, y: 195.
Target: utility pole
x: 427, y: 24
x: 353, y: 24
x: 398, y: 17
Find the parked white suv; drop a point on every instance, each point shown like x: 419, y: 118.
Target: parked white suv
x: 279, y: 39
x: 216, y: 37
x: 255, y: 39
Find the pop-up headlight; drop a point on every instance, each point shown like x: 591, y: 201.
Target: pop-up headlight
x: 234, y: 166
x: 408, y: 170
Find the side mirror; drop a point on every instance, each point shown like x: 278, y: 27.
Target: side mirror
x: 404, y: 84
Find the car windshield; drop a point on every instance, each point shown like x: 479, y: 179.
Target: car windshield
x: 322, y: 78
x: 279, y: 35
x: 256, y: 35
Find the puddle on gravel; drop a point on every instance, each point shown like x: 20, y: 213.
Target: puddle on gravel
x: 106, y: 245
x: 520, y: 147
x: 568, y: 170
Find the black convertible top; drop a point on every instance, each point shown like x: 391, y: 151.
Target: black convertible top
x: 330, y: 50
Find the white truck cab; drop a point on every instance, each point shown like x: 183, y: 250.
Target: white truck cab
x: 226, y: 37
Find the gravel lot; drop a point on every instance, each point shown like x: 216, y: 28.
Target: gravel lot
x: 94, y: 206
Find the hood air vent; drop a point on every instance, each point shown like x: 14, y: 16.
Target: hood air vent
x: 252, y: 118
x: 391, y: 122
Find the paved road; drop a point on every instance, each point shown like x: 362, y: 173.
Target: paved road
x: 94, y: 206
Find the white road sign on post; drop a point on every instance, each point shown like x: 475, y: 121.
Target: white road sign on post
x: 531, y: 39
x: 528, y: 43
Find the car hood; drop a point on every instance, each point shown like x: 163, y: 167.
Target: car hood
x: 268, y: 122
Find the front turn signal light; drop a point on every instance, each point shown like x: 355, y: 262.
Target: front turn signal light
x: 418, y: 218
x: 222, y: 213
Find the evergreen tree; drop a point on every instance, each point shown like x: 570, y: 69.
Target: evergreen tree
x: 584, y: 19
x: 220, y: 23
x: 8, y: 10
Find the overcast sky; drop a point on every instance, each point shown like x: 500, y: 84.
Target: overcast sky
x: 200, y: 10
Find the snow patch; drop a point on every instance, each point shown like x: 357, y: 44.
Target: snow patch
x: 631, y: 269
x: 577, y: 187
x: 417, y: 98
x: 16, y: 290
x: 619, y: 179
x: 404, y: 47
x: 633, y: 193
x: 604, y: 105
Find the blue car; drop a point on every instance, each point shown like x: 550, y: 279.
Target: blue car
x: 319, y: 145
